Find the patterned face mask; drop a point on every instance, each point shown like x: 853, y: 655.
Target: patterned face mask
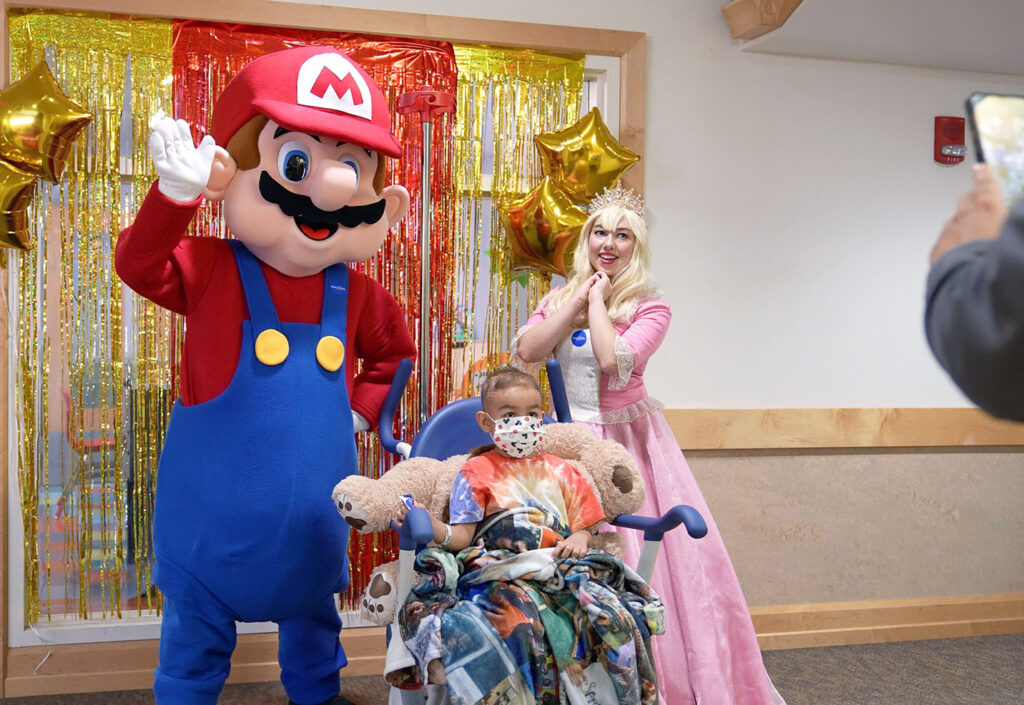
x: 517, y: 436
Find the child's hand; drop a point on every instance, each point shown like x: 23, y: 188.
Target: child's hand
x: 403, y: 511
x: 573, y: 547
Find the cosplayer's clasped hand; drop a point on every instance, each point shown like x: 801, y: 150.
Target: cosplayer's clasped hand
x: 582, y: 297
x: 183, y: 168
x: 600, y: 287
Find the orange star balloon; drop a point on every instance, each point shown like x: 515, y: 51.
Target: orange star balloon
x: 584, y: 159
x: 15, y: 191
x: 38, y: 124
x: 542, y: 228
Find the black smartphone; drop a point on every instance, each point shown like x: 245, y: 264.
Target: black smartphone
x: 996, y: 123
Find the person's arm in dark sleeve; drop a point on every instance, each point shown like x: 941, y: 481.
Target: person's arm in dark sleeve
x: 974, y: 317
x: 383, y: 340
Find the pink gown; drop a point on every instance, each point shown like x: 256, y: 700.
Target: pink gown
x: 708, y: 654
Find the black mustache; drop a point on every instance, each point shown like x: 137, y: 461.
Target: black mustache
x: 295, y: 205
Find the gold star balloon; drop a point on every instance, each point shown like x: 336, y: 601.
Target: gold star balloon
x: 15, y: 191
x: 38, y: 124
x: 584, y: 159
x: 542, y: 228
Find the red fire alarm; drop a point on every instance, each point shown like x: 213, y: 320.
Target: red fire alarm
x: 949, y: 140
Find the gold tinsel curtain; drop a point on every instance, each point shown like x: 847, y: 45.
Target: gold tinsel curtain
x: 92, y: 361
x: 505, y: 97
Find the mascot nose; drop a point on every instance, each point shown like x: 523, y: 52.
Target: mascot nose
x: 333, y: 185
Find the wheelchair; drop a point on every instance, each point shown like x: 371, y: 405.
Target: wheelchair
x: 453, y: 430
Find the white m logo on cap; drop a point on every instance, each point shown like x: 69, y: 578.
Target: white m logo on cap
x: 331, y: 81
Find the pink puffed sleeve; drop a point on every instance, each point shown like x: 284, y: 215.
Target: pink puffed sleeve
x: 645, y: 333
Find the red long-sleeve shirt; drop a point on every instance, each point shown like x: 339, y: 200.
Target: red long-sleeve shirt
x: 198, y: 278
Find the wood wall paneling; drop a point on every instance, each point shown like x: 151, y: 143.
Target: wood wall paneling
x: 128, y: 665
x: 879, y: 621
x: 753, y: 429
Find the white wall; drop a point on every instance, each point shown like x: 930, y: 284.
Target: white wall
x: 793, y: 203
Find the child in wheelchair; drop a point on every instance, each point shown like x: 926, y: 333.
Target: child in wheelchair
x: 511, y: 606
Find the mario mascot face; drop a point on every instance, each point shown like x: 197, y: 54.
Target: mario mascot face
x: 305, y: 131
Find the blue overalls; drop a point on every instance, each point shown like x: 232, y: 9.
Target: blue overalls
x: 244, y: 525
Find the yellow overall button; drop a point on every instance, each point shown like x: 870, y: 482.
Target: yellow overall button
x: 330, y: 353
x: 271, y: 347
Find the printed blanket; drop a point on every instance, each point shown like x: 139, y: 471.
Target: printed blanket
x: 512, y: 625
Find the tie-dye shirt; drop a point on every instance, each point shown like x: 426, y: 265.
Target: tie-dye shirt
x: 491, y: 482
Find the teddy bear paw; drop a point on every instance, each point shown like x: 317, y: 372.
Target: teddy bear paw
x: 378, y: 602
x: 354, y: 514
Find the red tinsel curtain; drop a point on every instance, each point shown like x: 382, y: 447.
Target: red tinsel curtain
x: 207, y: 55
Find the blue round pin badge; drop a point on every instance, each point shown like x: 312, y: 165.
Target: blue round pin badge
x: 579, y: 338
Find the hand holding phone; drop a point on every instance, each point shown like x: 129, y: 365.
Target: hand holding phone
x: 996, y: 122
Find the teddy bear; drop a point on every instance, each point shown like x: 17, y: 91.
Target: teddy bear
x: 369, y: 505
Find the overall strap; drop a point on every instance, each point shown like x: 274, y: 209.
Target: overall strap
x: 262, y: 311
x: 334, y: 315
x: 271, y: 345
x: 330, y: 351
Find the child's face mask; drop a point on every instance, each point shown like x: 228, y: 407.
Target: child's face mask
x: 517, y: 436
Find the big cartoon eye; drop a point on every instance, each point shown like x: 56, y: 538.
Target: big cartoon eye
x: 293, y: 161
x: 351, y: 162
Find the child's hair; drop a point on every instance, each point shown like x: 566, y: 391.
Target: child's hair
x: 503, y: 378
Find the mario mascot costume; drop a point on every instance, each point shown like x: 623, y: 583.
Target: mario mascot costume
x: 244, y: 525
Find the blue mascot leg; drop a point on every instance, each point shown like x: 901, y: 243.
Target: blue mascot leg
x: 311, y: 655
x: 196, y: 640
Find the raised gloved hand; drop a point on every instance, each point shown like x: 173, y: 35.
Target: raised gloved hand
x: 183, y: 168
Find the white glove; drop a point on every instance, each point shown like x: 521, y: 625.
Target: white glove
x: 183, y: 168
x: 359, y: 423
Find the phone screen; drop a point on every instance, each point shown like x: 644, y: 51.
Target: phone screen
x: 997, y: 123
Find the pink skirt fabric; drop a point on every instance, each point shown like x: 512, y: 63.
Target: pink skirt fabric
x: 708, y: 654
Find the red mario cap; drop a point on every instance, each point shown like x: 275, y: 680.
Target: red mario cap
x: 317, y: 90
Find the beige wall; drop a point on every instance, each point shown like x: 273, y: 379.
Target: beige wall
x: 836, y: 527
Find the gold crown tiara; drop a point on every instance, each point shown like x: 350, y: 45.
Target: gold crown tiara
x: 618, y: 196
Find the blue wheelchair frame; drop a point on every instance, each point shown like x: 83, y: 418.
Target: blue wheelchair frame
x: 452, y: 430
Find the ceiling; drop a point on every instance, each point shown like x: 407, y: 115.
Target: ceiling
x: 983, y: 35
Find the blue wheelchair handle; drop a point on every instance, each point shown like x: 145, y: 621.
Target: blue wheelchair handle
x: 386, y: 420
x: 416, y: 530
x: 655, y: 528
x: 558, y: 397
